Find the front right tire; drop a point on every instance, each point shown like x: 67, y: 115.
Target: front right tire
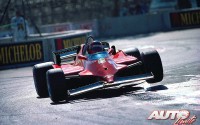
x: 152, y: 63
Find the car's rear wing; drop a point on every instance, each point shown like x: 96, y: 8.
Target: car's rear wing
x: 66, y: 55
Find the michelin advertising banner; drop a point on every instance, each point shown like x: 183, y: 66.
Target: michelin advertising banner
x: 62, y: 43
x: 185, y: 19
x: 15, y: 54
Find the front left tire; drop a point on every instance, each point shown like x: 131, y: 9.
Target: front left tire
x: 56, y: 85
x: 133, y: 52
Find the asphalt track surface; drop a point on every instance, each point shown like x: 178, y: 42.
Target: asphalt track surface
x: 180, y: 89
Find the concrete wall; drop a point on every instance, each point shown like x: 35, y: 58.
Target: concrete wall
x: 86, y: 25
x: 132, y: 25
x: 141, y: 24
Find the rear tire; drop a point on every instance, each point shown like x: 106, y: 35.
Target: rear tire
x: 39, y: 76
x: 152, y: 63
x: 133, y: 52
x: 56, y: 85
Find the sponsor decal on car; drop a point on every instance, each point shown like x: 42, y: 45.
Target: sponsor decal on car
x: 181, y: 117
x: 101, y: 61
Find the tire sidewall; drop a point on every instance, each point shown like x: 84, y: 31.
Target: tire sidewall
x: 39, y: 76
x: 152, y: 63
x: 56, y: 85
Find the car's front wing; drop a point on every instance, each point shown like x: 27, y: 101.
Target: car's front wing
x: 119, y: 81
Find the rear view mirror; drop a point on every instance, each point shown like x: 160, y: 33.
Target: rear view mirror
x: 110, y: 51
x: 82, y: 57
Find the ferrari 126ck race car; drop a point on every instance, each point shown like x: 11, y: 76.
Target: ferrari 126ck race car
x: 94, y: 65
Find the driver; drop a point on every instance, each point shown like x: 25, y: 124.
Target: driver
x: 89, y: 40
x: 95, y: 47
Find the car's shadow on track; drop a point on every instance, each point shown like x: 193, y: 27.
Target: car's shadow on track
x: 109, y: 93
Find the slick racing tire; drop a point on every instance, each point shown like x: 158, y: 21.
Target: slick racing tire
x: 39, y: 76
x: 133, y: 52
x: 152, y: 63
x: 56, y: 85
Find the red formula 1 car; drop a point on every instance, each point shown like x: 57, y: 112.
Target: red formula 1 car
x: 94, y: 65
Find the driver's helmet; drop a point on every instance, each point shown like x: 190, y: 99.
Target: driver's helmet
x: 95, y: 47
